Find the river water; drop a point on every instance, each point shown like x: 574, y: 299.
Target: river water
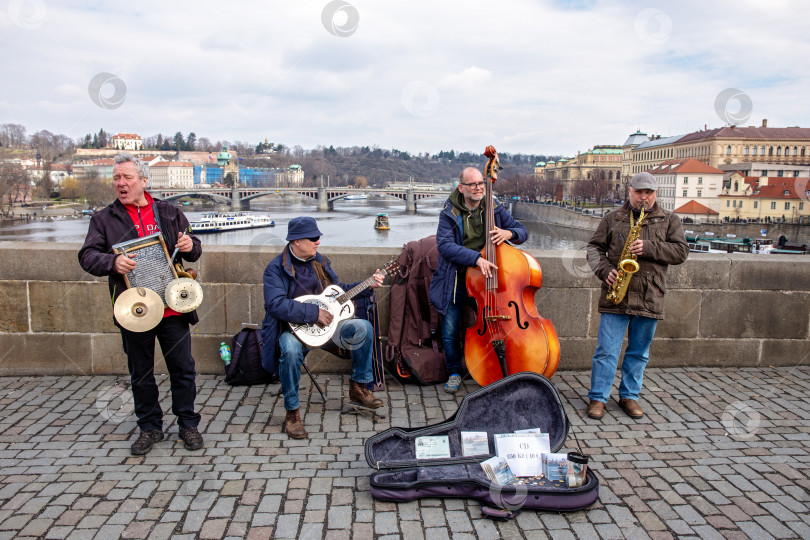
x: 351, y: 223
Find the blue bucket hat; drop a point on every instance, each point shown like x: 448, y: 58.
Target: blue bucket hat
x: 302, y: 227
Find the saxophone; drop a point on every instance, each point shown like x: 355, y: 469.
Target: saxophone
x: 627, y: 261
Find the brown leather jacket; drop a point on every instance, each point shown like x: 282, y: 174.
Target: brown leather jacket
x: 664, y: 244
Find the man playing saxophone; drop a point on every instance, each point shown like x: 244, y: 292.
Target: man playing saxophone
x: 653, y: 239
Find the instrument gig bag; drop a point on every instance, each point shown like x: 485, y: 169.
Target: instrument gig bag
x: 520, y: 401
x: 413, y: 353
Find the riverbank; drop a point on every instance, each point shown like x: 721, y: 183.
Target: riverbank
x: 589, y: 219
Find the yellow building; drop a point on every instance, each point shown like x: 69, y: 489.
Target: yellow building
x: 766, y: 198
x: 604, y: 161
x: 735, y: 144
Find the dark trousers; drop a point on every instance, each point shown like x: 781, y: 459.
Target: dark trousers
x: 175, y: 342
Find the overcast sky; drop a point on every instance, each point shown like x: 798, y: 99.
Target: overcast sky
x: 543, y: 77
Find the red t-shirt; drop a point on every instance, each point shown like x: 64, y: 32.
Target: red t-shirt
x: 144, y: 219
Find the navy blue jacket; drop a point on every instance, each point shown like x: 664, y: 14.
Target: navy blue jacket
x: 452, y: 253
x: 280, y: 308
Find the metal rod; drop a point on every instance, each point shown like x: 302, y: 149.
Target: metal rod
x: 314, y: 381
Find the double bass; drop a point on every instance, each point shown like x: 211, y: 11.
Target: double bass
x: 509, y: 335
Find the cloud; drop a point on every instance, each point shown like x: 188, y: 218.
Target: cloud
x: 538, y: 77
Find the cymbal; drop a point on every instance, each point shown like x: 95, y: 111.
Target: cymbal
x: 138, y: 309
x: 183, y: 295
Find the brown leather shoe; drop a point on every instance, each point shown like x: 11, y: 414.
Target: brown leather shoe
x: 294, y: 426
x: 358, y: 393
x: 631, y: 407
x: 596, y: 409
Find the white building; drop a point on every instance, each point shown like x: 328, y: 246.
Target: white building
x: 684, y: 180
x: 126, y: 141
x: 171, y: 174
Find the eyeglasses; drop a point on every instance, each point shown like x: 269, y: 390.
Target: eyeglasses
x: 473, y: 185
x: 314, y: 239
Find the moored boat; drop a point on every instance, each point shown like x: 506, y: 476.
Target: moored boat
x: 229, y: 221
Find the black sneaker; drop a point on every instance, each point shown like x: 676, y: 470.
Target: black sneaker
x: 192, y: 439
x: 145, y: 441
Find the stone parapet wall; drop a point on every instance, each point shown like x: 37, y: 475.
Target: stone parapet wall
x: 721, y: 310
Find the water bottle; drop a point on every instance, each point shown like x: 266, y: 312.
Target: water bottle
x: 225, y: 353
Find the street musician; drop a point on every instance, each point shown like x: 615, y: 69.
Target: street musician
x: 653, y: 237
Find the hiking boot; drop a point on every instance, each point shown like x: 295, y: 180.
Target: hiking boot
x: 192, y: 439
x: 631, y: 407
x: 145, y: 442
x: 451, y: 387
x: 294, y: 426
x: 358, y: 393
x: 596, y: 409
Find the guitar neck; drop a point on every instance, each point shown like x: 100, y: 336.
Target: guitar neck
x: 357, y: 289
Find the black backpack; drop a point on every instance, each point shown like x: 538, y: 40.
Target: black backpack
x: 246, y: 360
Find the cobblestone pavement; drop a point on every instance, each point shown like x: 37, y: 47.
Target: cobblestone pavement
x: 719, y: 454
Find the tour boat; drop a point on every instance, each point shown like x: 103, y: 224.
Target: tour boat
x: 358, y: 197
x: 229, y: 221
x: 709, y: 243
x: 381, y: 223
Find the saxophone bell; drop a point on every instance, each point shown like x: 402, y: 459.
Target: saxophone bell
x: 629, y: 266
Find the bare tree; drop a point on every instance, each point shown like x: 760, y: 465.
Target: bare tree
x: 97, y: 189
x: 596, y: 187
x: 12, y: 135
x: 43, y: 181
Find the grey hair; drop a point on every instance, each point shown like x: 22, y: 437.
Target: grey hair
x: 124, y: 157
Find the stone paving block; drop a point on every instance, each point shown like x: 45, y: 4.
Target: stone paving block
x: 675, y: 473
x: 287, y: 526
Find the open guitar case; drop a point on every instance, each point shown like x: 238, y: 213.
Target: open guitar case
x: 520, y: 401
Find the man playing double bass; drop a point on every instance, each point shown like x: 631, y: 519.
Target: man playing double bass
x: 460, y: 239
x: 661, y: 242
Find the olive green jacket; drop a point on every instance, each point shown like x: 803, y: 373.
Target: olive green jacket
x: 664, y: 244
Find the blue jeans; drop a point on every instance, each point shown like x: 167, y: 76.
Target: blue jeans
x: 451, y: 336
x: 354, y: 335
x: 612, y: 327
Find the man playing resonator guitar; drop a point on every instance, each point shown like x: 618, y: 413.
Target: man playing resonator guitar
x: 301, y: 271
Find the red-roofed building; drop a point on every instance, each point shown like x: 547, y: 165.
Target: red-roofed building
x: 97, y: 167
x: 766, y: 197
x: 696, y: 212
x: 683, y: 180
x: 58, y: 173
x: 126, y: 141
x: 171, y: 174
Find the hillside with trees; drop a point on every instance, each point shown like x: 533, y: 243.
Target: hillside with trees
x: 362, y: 166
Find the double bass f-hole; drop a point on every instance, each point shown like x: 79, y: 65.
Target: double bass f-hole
x: 524, y: 325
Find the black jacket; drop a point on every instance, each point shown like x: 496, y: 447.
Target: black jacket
x: 113, y: 225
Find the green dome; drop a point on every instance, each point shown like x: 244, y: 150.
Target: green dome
x: 224, y: 157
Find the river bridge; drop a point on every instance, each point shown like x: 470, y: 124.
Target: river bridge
x: 240, y: 197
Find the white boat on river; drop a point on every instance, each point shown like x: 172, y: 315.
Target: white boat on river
x: 230, y: 221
